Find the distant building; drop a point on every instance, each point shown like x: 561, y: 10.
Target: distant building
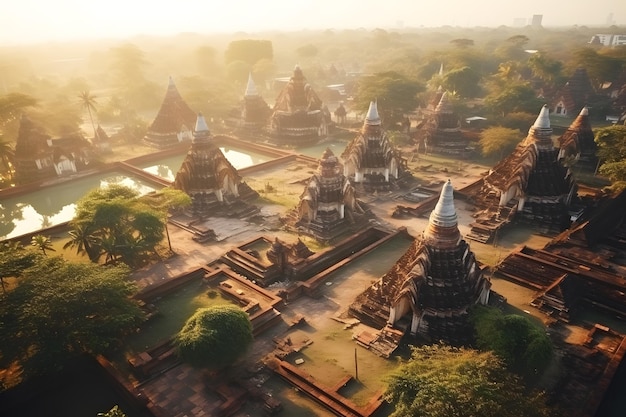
x: 607, y: 39
x: 536, y: 20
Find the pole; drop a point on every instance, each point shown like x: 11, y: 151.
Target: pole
x: 356, y: 366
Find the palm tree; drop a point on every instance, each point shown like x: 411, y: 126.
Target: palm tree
x: 42, y: 242
x: 82, y: 238
x: 88, y: 102
x: 6, y: 158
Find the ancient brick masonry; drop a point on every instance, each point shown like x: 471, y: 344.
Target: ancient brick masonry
x: 433, y: 285
x: 328, y: 205
x: 174, y: 121
x: 299, y: 115
x: 208, y: 177
x: 370, y: 159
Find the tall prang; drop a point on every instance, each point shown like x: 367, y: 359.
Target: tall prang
x: 529, y: 185
x: 255, y: 111
x: 370, y: 159
x: 299, y: 116
x: 211, y: 181
x: 328, y: 206
x: 432, y: 287
x: 174, y: 121
x: 578, y: 141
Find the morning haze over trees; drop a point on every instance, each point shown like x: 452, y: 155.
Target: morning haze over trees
x: 120, y: 85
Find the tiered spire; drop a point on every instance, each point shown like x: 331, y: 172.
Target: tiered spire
x: 251, y: 90
x: 443, y: 230
x: 201, y: 132
x: 372, y: 118
x: 541, y: 129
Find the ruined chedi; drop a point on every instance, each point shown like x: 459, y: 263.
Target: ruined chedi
x: 433, y: 285
x: 255, y: 111
x: 211, y: 181
x: 578, y: 142
x: 328, y: 205
x: 370, y: 159
x: 174, y: 121
x: 299, y: 116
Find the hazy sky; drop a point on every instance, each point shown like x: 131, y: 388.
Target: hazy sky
x: 27, y: 21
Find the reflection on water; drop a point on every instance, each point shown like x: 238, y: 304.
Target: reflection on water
x: 168, y: 167
x: 55, y: 204
x: 316, y: 151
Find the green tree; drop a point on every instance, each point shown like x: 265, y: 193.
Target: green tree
x: 14, y: 259
x: 7, y: 153
x: 88, y: 102
x: 238, y: 71
x: 525, y: 347
x: 499, y: 140
x: 513, y: 98
x: 116, y: 223
x: 83, y: 239
x: 71, y: 309
x: 442, y: 381
x: 547, y: 70
x: 249, y: 51
x: 464, y: 81
x: 214, y: 337
x: 396, y: 95
x: 43, y: 243
x: 462, y: 43
x: 166, y: 200
x: 519, y: 120
x: 611, y: 143
x: 12, y: 105
x: 308, y: 51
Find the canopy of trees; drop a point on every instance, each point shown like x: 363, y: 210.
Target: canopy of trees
x: 60, y: 310
x: 499, y: 141
x: 116, y: 224
x: 249, y: 51
x: 214, y: 337
x: 611, y: 143
x: 524, y: 346
x: 396, y: 95
x: 442, y: 381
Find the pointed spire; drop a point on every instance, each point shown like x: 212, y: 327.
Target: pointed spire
x: 541, y: 131
x: 543, y: 120
x: 444, y: 214
x: 584, y: 111
x: 201, y: 132
x: 251, y: 90
x: 372, y: 117
x: 441, y: 69
x: 444, y: 104
x: 443, y: 230
x: 170, y: 83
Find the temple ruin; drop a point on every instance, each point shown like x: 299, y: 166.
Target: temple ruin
x: 213, y: 184
x: 578, y: 142
x: 174, y: 121
x: 530, y: 185
x: 574, y: 95
x: 442, y: 131
x: 328, y: 206
x: 255, y: 111
x: 582, y: 266
x: 370, y: 159
x: 299, y: 116
x: 40, y: 157
x: 432, y: 286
